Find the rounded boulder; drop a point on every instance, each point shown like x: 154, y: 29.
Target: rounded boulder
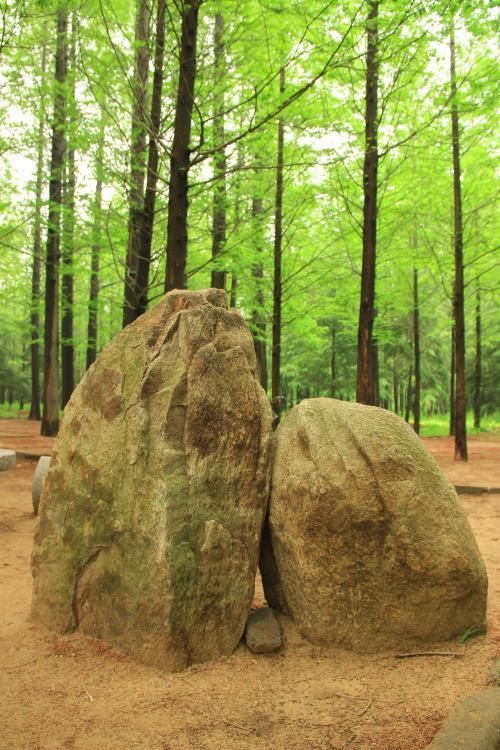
x: 366, y: 545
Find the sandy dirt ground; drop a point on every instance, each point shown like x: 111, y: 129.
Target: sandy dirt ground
x: 60, y: 692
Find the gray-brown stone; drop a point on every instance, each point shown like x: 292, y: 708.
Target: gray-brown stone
x: 473, y: 725
x: 262, y: 633
x: 41, y: 470
x: 152, y: 509
x: 7, y: 459
x: 366, y: 545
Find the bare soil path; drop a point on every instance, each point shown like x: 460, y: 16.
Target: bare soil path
x: 73, y: 692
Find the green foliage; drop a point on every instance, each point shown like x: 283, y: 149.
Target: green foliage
x: 322, y: 47
x: 471, y: 632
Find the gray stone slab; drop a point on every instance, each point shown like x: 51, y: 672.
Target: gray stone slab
x: 7, y: 459
x: 473, y: 725
x: 467, y: 489
x: 41, y: 470
x: 262, y: 633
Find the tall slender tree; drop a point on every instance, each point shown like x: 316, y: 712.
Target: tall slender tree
x: 477, y: 368
x: 365, y: 389
x: 50, y: 419
x: 458, y: 292
x: 258, y: 319
x: 175, y: 276
x: 137, y: 159
x: 35, y: 411
x: 92, y: 326
x: 68, y: 231
x: 144, y: 260
x: 416, y: 354
x: 278, y: 249
x: 452, y: 380
x: 218, y: 280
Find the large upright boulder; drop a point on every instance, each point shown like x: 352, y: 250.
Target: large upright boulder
x: 366, y: 544
x: 152, y: 508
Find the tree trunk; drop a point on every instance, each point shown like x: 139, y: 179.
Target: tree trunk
x: 416, y: 354
x: 477, y: 371
x: 67, y: 287
x: 35, y: 411
x: 237, y: 221
x: 68, y: 225
x: 375, y: 373
x: 50, y: 421
x: 452, y: 382
x: 408, y: 396
x: 258, y: 320
x: 96, y: 251
x: 180, y: 157
x: 458, y: 298
x: 137, y: 160
x: 395, y: 387
x: 333, y: 362
x: 144, y: 261
x: 219, y: 209
x: 278, y: 247
x: 232, y: 296
x: 364, y: 386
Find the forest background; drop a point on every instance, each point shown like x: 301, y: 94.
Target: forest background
x: 332, y: 165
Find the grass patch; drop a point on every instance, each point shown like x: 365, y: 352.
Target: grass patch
x: 439, y: 425
x: 13, y: 411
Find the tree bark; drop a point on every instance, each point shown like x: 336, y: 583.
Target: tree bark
x: 92, y: 327
x: 137, y: 161
x: 68, y: 226
x: 477, y: 369
x: 218, y: 280
x: 333, y: 361
x: 278, y: 248
x: 458, y: 298
x: 258, y: 320
x: 237, y: 222
x: 365, y: 391
x: 408, y: 396
x: 452, y: 382
x: 232, y: 295
x: 67, y: 286
x: 175, y: 277
x: 50, y: 420
x: 35, y: 411
x: 416, y: 354
x: 144, y: 260
x: 375, y: 372
x: 395, y: 388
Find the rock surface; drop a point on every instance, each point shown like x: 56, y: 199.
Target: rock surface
x: 41, y: 470
x: 151, y: 512
x: 262, y: 633
x: 473, y: 725
x: 366, y: 545
x: 7, y: 459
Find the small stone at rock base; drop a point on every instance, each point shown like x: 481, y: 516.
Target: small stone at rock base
x: 7, y: 459
x: 41, y: 470
x: 262, y: 633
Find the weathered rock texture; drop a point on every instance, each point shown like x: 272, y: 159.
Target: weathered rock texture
x: 262, y: 633
x: 151, y: 513
x: 370, y: 548
x: 473, y: 725
x: 7, y: 459
x: 41, y: 470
